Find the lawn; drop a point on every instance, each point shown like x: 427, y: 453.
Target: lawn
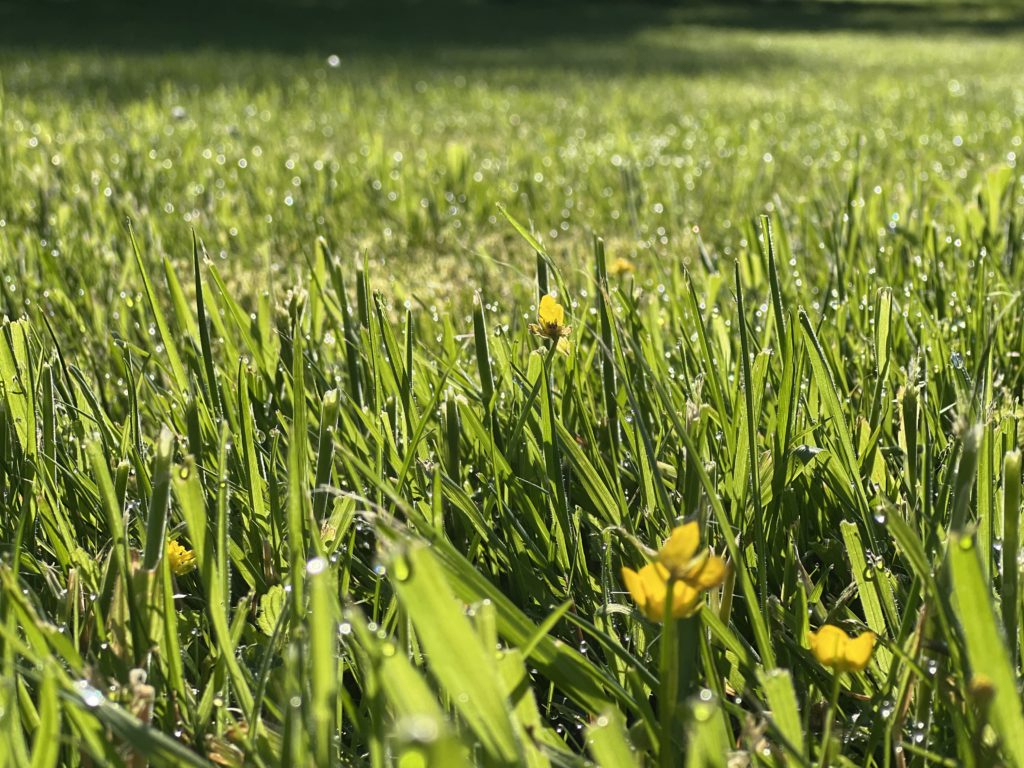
x: 288, y: 479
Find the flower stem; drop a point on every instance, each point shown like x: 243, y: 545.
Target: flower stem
x: 670, y: 743
x: 688, y: 655
x: 554, y: 463
x: 826, y: 738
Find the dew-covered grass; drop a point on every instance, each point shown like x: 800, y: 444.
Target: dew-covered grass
x: 268, y: 283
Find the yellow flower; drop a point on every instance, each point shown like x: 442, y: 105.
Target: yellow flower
x: 681, y: 555
x: 180, y: 559
x: 621, y: 266
x: 550, y: 319
x: 680, y: 564
x: 832, y: 647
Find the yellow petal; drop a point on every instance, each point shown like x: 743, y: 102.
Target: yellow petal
x: 858, y: 652
x: 181, y: 560
x: 678, y: 551
x: 550, y: 311
x: 826, y: 644
x: 635, y: 586
x: 621, y: 265
x: 653, y: 581
x: 709, y: 573
x: 685, y: 600
x: 832, y: 647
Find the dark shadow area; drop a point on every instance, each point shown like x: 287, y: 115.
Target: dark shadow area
x: 132, y: 49
x: 876, y: 16
x: 422, y: 28
x: 300, y: 28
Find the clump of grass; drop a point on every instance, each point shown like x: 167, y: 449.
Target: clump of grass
x: 332, y: 520
x: 326, y: 531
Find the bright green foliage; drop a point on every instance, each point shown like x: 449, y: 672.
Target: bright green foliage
x: 409, y: 515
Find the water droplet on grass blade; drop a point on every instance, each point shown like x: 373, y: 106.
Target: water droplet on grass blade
x: 703, y: 711
x: 91, y: 697
x: 400, y: 570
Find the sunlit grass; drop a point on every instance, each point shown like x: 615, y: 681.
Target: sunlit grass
x: 303, y: 488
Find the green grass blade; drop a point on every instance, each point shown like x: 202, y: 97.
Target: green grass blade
x: 985, y: 645
x: 608, y: 743
x: 456, y: 657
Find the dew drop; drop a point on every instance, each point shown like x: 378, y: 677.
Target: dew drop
x: 91, y: 697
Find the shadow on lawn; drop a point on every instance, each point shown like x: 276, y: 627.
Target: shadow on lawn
x: 424, y: 27
x: 236, y: 42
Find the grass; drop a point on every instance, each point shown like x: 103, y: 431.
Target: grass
x: 408, y: 514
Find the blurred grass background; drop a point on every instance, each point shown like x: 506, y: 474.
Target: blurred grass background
x: 394, y: 130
